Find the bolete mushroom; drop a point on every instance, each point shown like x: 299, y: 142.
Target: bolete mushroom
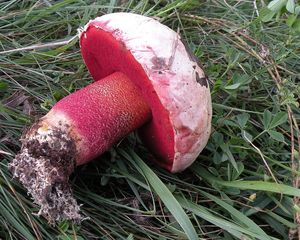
x: 146, y: 79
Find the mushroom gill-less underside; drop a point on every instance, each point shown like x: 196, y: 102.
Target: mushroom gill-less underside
x: 146, y: 79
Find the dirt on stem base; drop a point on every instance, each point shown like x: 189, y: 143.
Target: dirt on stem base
x: 43, y: 166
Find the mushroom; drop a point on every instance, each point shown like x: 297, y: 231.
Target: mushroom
x: 146, y: 79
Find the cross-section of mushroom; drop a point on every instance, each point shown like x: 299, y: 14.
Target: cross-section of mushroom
x: 145, y: 79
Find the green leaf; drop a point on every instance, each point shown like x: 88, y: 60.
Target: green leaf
x: 267, y: 117
x: 104, y: 180
x: 276, y: 5
x: 226, y: 150
x: 3, y: 85
x: 235, y: 174
x: 291, y: 20
x: 296, y: 25
x: 276, y: 135
x: 290, y: 6
x: 218, y: 138
x: 279, y: 118
x: 166, y: 196
x: 243, y: 119
x: 233, y: 86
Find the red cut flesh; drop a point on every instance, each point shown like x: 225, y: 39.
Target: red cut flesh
x: 104, y: 55
x: 103, y: 113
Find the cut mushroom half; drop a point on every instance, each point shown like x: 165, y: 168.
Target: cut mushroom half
x: 146, y: 79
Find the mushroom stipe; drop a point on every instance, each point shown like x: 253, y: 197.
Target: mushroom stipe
x: 55, y: 145
x: 145, y: 79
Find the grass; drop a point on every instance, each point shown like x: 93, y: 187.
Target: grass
x: 243, y: 186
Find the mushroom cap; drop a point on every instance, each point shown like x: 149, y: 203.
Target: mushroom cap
x: 168, y: 76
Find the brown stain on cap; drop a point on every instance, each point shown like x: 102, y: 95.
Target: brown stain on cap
x: 201, y: 80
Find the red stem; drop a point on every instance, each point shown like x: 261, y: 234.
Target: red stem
x: 102, y: 113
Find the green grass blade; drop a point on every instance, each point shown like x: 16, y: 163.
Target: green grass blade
x: 228, y: 226
x: 166, y: 196
x: 242, y: 219
x: 250, y: 185
x: 13, y: 220
x: 282, y: 220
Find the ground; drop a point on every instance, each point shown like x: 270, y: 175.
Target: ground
x: 244, y: 185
